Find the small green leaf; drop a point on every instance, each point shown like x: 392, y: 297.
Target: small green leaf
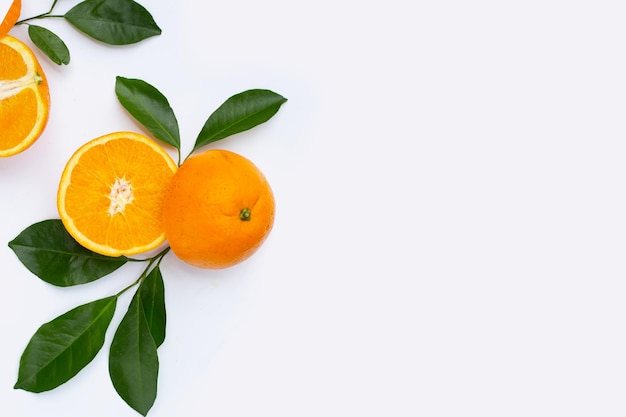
x: 115, y: 22
x: 133, y: 359
x: 50, y: 44
x: 152, y: 293
x: 151, y: 108
x: 49, y: 252
x: 240, y: 112
x: 64, y: 346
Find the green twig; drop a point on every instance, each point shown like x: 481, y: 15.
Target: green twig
x: 40, y: 16
x: 151, y: 261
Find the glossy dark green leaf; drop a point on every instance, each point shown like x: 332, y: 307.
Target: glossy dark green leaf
x: 115, y: 22
x: 133, y: 360
x: 240, y: 112
x: 152, y: 293
x: 50, y: 44
x: 64, y: 346
x: 49, y: 252
x: 151, y: 108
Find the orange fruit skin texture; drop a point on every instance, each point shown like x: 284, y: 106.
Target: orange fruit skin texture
x: 203, y: 207
x: 11, y: 17
x: 24, y: 97
x: 111, y: 192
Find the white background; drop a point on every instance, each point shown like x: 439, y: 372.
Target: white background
x: 451, y: 216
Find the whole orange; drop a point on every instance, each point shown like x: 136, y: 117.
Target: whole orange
x: 218, y: 210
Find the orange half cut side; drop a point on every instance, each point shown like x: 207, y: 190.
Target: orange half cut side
x: 24, y: 97
x: 111, y: 192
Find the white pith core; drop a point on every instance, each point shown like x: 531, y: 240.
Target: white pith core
x: 121, y: 195
x: 9, y: 88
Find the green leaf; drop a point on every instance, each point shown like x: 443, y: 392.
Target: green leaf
x: 49, y: 252
x: 133, y: 360
x: 146, y: 104
x: 64, y: 346
x: 115, y: 22
x: 240, y: 112
x: 50, y: 44
x: 152, y: 293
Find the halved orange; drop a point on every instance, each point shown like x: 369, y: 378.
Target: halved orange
x: 111, y: 192
x: 11, y: 17
x: 24, y: 97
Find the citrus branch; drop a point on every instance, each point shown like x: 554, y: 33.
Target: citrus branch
x: 156, y: 258
x: 40, y: 16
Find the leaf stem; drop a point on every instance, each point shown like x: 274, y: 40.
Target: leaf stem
x: 54, y: 3
x: 151, y: 261
x: 41, y: 16
x: 130, y: 286
x: 190, y: 153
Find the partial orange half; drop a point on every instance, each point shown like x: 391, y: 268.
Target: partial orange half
x: 24, y: 97
x: 11, y: 17
x: 111, y: 192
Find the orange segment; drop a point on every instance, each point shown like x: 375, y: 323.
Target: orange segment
x: 111, y: 193
x: 24, y: 97
x: 11, y: 17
